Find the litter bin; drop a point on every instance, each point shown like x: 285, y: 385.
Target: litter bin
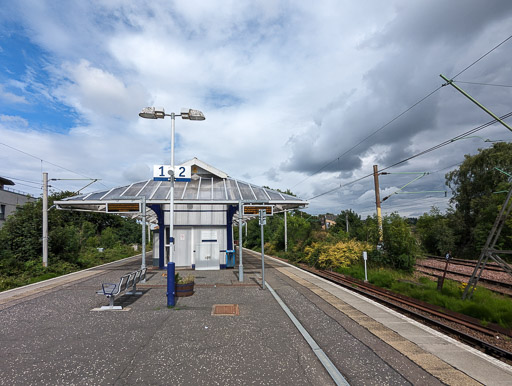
x: 230, y: 259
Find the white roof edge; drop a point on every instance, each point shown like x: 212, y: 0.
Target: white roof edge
x: 205, y: 166
x: 186, y: 201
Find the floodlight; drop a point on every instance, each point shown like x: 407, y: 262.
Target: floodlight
x: 193, y: 115
x: 152, y: 112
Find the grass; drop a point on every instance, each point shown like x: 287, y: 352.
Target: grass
x: 485, y: 305
x: 32, y: 271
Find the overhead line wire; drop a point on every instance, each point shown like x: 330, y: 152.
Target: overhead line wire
x: 19, y: 179
x: 483, y: 56
x: 481, y: 127
x: 48, y: 162
x: 22, y: 184
x: 484, y: 84
x: 398, y: 116
x: 341, y: 186
x: 474, y: 130
x: 371, y: 135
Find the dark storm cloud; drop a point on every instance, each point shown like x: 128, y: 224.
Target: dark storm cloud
x: 453, y: 24
x: 422, y: 41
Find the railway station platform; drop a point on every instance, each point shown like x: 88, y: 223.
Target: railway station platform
x: 52, y: 334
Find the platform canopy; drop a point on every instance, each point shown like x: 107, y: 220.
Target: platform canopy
x: 208, y: 186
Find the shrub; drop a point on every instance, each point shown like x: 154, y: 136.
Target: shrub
x: 338, y: 255
x: 178, y: 279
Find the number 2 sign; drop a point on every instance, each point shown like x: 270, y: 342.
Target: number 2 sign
x: 162, y: 173
x: 182, y: 173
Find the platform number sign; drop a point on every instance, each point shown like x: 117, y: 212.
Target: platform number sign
x: 181, y: 173
x: 161, y: 172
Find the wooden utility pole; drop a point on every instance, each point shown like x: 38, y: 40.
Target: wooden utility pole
x: 377, y: 203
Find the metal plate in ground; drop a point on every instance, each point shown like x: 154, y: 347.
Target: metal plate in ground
x: 225, y: 310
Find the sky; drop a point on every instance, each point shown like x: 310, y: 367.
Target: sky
x: 296, y: 96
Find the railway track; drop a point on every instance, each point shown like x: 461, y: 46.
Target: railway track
x: 434, y: 316
x: 490, y: 266
x: 465, y: 275
x: 437, y: 317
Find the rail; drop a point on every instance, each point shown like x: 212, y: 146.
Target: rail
x: 423, y: 312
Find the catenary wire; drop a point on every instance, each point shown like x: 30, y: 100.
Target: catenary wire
x: 48, y: 162
x: 484, y: 84
x: 371, y: 135
x: 483, y: 56
x: 404, y: 112
x: 405, y: 205
x: 19, y: 179
x: 30, y: 186
x: 474, y: 130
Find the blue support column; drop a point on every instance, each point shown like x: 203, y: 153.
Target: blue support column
x: 161, y: 235
x: 230, y: 213
x: 171, y: 285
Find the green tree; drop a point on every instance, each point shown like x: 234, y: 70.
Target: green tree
x: 300, y: 227
x: 71, y: 234
x: 356, y: 229
x: 435, y: 232
x: 475, y: 203
x: 400, y: 245
x: 20, y: 237
x: 299, y: 231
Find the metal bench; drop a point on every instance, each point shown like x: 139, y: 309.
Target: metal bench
x: 138, y: 276
x: 111, y: 290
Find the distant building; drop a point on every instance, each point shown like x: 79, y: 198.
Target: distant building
x: 327, y: 220
x: 10, y: 199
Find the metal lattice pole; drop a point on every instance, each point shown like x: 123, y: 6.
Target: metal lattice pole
x: 488, y: 250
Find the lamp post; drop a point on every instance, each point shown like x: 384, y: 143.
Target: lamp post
x: 159, y: 113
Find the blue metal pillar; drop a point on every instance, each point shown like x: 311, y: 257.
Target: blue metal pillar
x: 171, y: 285
x: 161, y: 235
x: 230, y: 213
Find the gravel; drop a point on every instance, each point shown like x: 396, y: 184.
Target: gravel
x: 500, y: 340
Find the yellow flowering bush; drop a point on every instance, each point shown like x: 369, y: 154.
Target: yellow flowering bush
x: 463, y: 286
x: 340, y: 254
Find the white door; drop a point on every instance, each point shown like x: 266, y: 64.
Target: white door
x: 207, y: 256
x: 183, y: 247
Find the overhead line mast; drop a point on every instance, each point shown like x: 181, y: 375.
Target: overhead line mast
x: 451, y: 83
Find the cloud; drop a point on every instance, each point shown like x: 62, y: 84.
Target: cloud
x: 272, y: 175
x: 10, y: 97
x: 14, y: 120
x: 98, y: 94
x: 287, y: 89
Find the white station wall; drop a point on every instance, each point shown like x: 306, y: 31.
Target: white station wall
x: 199, y: 228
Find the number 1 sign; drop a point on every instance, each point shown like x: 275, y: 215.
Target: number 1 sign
x: 162, y: 173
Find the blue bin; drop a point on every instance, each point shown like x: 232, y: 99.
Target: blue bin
x: 230, y: 259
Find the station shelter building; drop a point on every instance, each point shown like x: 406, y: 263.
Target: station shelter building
x: 205, y: 209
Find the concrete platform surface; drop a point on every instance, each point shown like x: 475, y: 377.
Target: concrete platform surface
x: 51, y: 335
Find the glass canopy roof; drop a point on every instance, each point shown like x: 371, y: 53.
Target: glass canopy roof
x: 211, y: 190
x: 208, y: 186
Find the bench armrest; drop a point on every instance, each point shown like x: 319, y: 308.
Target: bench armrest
x: 108, y: 288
